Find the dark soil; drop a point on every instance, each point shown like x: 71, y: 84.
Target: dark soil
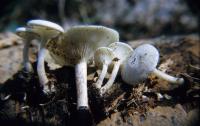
x: 59, y: 108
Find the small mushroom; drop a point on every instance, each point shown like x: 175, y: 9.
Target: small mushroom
x: 28, y: 36
x: 121, y: 51
x: 46, y: 30
x: 103, y: 58
x: 75, y: 48
x: 141, y: 63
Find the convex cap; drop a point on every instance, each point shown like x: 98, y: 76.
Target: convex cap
x: 143, y: 61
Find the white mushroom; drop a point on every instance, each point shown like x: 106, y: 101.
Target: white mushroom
x: 103, y: 58
x: 28, y: 36
x: 46, y: 30
x: 121, y: 51
x: 143, y: 61
x: 75, y: 48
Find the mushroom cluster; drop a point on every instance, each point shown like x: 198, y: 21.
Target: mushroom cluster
x: 41, y: 30
x: 81, y: 44
x: 110, y: 57
x: 74, y: 47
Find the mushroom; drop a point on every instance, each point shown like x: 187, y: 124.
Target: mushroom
x: 141, y: 63
x: 103, y: 58
x: 121, y: 51
x: 75, y: 48
x: 46, y: 30
x: 27, y: 36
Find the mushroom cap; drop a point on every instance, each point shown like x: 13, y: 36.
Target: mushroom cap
x: 45, y: 28
x: 121, y: 50
x: 24, y: 33
x: 143, y: 61
x: 103, y: 55
x: 80, y: 42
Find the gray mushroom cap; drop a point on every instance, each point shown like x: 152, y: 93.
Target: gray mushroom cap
x: 103, y: 55
x: 80, y: 42
x: 24, y: 33
x: 44, y: 28
x: 121, y: 51
x: 143, y: 61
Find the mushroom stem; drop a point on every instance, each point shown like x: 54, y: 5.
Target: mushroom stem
x: 81, y: 85
x: 26, y: 64
x: 112, y: 77
x: 40, y: 67
x: 167, y: 77
x: 102, y: 76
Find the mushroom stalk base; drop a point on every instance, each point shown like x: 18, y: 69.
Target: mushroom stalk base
x: 81, y: 85
x: 99, y: 82
x: 41, y: 69
x: 26, y: 64
x: 112, y: 77
x: 168, y: 78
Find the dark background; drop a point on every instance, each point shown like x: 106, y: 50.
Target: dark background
x: 132, y: 18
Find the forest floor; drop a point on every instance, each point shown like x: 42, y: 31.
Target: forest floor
x: 153, y: 102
